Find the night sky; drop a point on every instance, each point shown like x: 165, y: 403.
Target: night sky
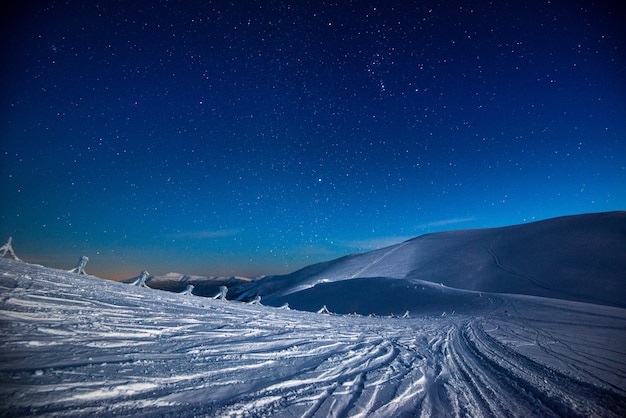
x: 257, y: 137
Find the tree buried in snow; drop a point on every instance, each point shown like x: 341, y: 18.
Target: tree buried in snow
x: 80, y: 267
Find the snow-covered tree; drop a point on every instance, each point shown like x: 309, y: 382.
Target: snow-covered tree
x: 323, y: 310
x: 140, y: 280
x: 255, y: 301
x: 222, y: 294
x: 8, y: 247
x: 80, y: 267
x: 188, y: 290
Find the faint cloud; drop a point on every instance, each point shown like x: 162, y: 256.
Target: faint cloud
x: 445, y: 222
x: 208, y: 234
x: 375, y: 243
x: 382, y: 242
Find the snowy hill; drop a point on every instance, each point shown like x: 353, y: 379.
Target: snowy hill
x: 579, y: 258
x: 75, y: 345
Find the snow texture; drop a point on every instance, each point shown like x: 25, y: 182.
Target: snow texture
x: 76, y: 345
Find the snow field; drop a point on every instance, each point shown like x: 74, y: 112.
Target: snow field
x: 77, y: 345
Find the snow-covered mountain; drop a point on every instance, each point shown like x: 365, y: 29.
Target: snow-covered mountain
x: 580, y: 258
x: 448, y: 339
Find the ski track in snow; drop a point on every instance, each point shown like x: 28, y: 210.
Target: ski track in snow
x: 361, y: 272
x: 78, y: 345
x: 496, y: 260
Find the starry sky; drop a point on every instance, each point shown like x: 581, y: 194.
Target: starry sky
x: 258, y: 137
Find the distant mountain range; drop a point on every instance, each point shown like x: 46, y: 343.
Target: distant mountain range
x: 579, y: 258
x: 203, y: 285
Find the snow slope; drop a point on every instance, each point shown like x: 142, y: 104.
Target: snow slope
x: 78, y: 345
x: 580, y: 258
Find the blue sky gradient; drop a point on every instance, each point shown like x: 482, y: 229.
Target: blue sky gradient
x: 210, y: 138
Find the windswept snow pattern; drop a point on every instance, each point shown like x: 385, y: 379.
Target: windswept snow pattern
x: 78, y: 345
